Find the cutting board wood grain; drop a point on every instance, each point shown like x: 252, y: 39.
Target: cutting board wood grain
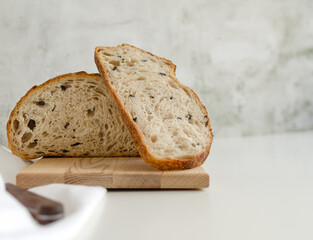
x: 109, y: 172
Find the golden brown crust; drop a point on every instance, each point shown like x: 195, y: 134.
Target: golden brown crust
x: 160, y: 163
x: 36, y: 88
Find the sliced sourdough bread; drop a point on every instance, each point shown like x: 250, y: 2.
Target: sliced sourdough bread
x: 166, y: 119
x: 70, y: 115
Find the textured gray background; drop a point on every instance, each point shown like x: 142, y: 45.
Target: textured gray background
x: 251, y: 62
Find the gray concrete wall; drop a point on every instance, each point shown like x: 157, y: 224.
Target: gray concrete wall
x: 251, y: 62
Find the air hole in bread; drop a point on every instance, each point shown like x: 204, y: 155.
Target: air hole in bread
x: 134, y: 60
x: 16, y: 124
x: 93, y: 83
x: 32, y: 144
x: 65, y: 86
x: 31, y: 124
x: 44, y: 134
x: 91, y: 112
x: 25, y: 117
x: 183, y: 147
x: 106, y: 126
x: 186, y: 132
x: 110, y: 147
x: 107, y: 54
x: 147, y: 109
x: 26, y: 137
x: 154, y: 138
x: 198, y: 123
x: 142, y: 78
x: 76, y: 144
x: 173, y: 84
x: 114, y: 63
x: 101, y: 134
x: 100, y: 91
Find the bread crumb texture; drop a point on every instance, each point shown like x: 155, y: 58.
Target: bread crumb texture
x: 168, y: 116
x: 70, y: 115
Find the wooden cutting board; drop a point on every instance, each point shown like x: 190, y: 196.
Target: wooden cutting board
x: 111, y: 172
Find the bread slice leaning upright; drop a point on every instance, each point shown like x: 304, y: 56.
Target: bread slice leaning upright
x: 70, y: 115
x: 166, y: 119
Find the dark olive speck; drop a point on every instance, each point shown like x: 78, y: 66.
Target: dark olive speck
x: 135, y: 119
x: 41, y: 103
x: 162, y: 74
x: 115, y: 69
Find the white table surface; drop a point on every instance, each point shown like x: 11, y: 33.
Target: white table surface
x: 261, y: 188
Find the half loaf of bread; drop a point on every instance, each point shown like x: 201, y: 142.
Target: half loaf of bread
x: 166, y: 119
x: 70, y: 115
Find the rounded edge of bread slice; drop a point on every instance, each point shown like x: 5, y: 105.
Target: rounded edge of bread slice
x: 64, y: 77
x: 160, y: 163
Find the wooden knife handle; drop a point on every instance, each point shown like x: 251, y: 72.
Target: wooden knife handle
x: 42, y: 209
